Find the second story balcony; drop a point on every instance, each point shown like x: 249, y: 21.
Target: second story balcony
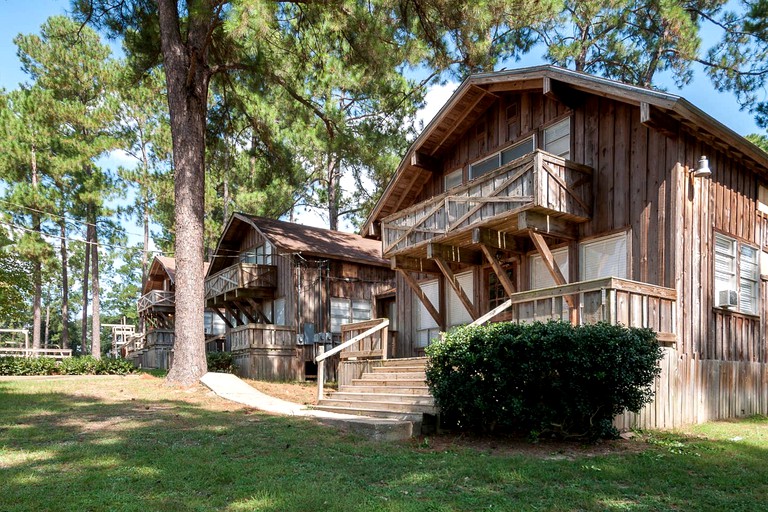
x: 240, y: 281
x: 539, y: 182
x: 156, y: 301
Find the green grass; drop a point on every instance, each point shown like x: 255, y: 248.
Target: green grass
x: 130, y: 443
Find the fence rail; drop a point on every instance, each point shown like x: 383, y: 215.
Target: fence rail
x: 56, y: 353
x: 156, y: 298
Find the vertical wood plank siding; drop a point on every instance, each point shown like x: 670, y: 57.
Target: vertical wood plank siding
x: 719, y: 364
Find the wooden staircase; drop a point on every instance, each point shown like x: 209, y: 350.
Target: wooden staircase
x: 397, y: 390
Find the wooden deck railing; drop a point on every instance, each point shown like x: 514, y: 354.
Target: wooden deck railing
x: 539, y: 180
x: 613, y: 300
x: 240, y: 275
x: 56, y: 353
x: 156, y: 298
x: 378, y: 325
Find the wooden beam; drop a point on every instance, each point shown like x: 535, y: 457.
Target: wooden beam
x: 234, y: 315
x: 482, y: 94
x: 248, y: 315
x: 454, y: 254
x: 561, y: 92
x: 551, y: 264
x: 518, y: 85
x: 546, y: 225
x: 501, y: 274
x: 425, y: 161
x: 408, y: 264
x: 223, y: 317
x: 414, y: 286
x: 257, y: 308
x: 495, y: 239
x: 655, y: 119
x: 448, y: 273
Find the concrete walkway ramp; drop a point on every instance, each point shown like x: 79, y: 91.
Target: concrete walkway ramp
x: 231, y: 387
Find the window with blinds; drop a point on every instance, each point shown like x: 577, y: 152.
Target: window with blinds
x: 346, y: 311
x: 737, y: 275
x: 426, y: 327
x: 457, y: 313
x: 453, y: 179
x: 604, y: 257
x: 540, y: 275
x: 557, y: 138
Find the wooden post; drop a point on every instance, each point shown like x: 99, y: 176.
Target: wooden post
x: 320, y: 371
x: 384, y: 343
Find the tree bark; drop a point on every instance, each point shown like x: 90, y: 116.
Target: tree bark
x: 37, y: 267
x: 187, y: 78
x: 96, y: 309
x: 47, y: 325
x: 86, y: 276
x: 64, y: 286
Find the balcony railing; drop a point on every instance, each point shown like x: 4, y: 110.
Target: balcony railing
x: 156, y: 298
x: 240, y: 276
x: 537, y: 181
x: 613, y: 300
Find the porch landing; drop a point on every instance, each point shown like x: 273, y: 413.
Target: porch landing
x: 230, y: 387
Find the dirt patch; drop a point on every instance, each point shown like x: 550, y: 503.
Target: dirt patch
x: 505, y: 445
x: 304, y: 393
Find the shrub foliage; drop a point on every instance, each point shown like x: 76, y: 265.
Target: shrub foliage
x: 85, y: 365
x: 543, y: 378
x: 221, y: 362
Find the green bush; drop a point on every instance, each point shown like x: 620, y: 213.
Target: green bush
x: 85, y: 365
x: 543, y: 378
x: 221, y: 362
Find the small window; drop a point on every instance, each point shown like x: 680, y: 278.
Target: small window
x: 484, y: 166
x: 557, y: 139
x: 346, y: 311
x: 737, y: 275
x: 516, y: 151
x: 605, y: 257
x: 496, y: 292
x: 748, y: 280
x: 453, y: 179
x: 279, y: 306
x: 540, y: 274
x: 762, y: 199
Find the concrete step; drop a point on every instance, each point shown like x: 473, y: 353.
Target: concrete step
x: 414, y: 390
x: 390, y: 375
x: 388, y: 382
x: 408, y: 398
x: 398, y: 369
x: 355, y: 405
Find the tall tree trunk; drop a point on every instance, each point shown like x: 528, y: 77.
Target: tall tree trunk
x: 96, y: 308
x: 47, y: 325
x: 86, y: 274
x: 64, y: 285
x: 334, y: 192
x: 37, y: 267
x: 187, y: 77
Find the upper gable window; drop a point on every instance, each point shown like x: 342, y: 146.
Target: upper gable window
x: 261, y: 255
x: 453, y: 179
x: 496, y: 160
x: 557, y: 138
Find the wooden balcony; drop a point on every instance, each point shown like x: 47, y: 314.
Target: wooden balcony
x: 613, y: 300
x: 538, y: 182
x: 157, y: 300
x: 242, y: 280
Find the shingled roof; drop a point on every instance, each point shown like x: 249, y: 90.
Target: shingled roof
x: 292, y: 238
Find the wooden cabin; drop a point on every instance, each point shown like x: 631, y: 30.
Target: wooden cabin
x: 156, y: 309
x: 546, y: 193
x: 284, y: 289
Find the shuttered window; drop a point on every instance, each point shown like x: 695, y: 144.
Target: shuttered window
x: 453, y: 179
x: 427, y: 329
x: 346, y: 311
x: 605, y: 257
x: 737, y: 275
x: 457, y: 313
x: 540, y: 275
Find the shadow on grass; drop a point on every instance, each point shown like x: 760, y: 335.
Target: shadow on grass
x: 67, y: 451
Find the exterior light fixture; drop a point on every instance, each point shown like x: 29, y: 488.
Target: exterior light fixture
x: 702, y: 170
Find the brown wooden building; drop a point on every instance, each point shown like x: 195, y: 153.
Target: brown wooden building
x: 156, y: 308
x: 545, y: 193
x: 283, y: 288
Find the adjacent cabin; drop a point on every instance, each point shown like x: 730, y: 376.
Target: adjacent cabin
x: 283, y: 290
x: 544, y: 193
x: 156, y: 308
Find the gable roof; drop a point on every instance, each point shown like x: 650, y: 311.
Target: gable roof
x: 162, y: 267
x: 478, y: 92
x: 292, y: 238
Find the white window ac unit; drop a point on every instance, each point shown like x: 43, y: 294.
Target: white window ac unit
x: 728, y: 299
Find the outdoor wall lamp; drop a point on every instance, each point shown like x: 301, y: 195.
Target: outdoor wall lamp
x: 702, y: 170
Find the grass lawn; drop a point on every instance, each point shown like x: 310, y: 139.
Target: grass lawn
x: 129, y: 443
